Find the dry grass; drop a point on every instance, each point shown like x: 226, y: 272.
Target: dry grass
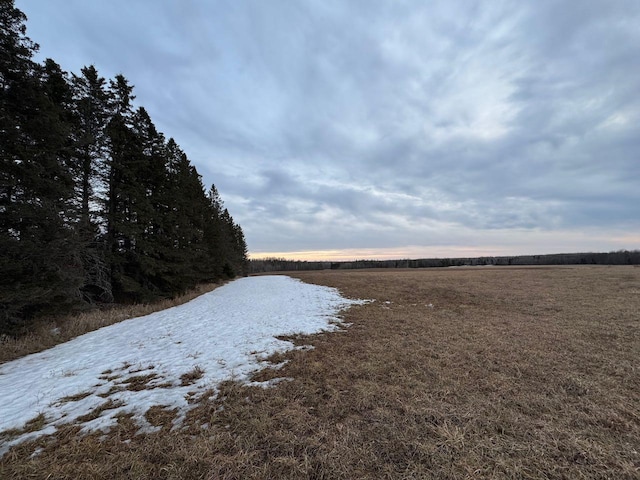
x: 33, y: 425
x: 511, y: 373
x: 74, y: 398
x: 191, y: 376
x: 51, y: 332
x: 139, y: 382
x: 96, y: 412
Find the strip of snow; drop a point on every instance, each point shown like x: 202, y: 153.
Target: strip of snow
x: 226, y: 333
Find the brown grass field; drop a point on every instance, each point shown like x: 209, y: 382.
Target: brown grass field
x: 466, y: 373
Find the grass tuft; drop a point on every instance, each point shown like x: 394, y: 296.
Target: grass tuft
x: 139, y: 382
x: 96, y: 412
x: 190, y: 377
x: 33, y: 425
x: 74, y: 398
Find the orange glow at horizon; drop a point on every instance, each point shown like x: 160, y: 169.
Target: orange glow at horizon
x: 499, y: 243
x: 382, y: 254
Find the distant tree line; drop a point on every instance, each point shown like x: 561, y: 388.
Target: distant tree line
x: 622, y: 257
x: 96, y: 206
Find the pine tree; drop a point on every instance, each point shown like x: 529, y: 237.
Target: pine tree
x: 124, y: 194
x: 39, y: 264
x: 241, y: 251
x: 191, y: 208
x: 152, y: 206
x: 91, y: 112
x: 94, y: 204
x: 214, y: 235
x: 175, y: 223
x: 233, y: 247
x: 227, y: 248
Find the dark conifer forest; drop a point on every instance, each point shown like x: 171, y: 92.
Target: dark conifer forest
x: 96, y: 205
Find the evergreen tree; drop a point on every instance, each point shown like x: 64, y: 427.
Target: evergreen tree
x: 39, y: 264
x: 214, y: 234
x: 241, y: 251
x: 175, y: 223
x: 94, y: 204
x: 190, y: 208
x: 152, y: 207
x: 91, y: 112
x: 124, y: 192
x: 227, y: 248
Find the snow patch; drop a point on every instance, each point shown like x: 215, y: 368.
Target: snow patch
x: 131, y: 366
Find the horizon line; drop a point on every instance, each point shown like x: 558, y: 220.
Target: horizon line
x: 463, y: 252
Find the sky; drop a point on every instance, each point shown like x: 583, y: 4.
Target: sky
x: 345, y: 129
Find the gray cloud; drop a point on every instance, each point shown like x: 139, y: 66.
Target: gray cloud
x: 342, y: 125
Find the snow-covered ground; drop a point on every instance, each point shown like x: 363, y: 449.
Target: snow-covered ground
x: 224, y: 334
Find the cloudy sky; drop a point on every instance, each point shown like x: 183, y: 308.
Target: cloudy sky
x: 384, y: 129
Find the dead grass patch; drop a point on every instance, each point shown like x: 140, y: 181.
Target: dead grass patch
x: 33, y: 425
x: 513, y: 373
x: 96, y: 412
x: 51, y: 332
x: 74, y: 398
x: 112, y: 390
x: 190, y: 377
x: 161, y: 416
x: 139, y: 382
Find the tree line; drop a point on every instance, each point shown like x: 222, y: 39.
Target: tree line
x: 96, y: 205
x: 621, y: 257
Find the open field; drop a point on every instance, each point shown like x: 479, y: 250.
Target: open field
x: 451, y: 373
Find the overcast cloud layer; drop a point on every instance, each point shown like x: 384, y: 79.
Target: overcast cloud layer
x: 387, y: 128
